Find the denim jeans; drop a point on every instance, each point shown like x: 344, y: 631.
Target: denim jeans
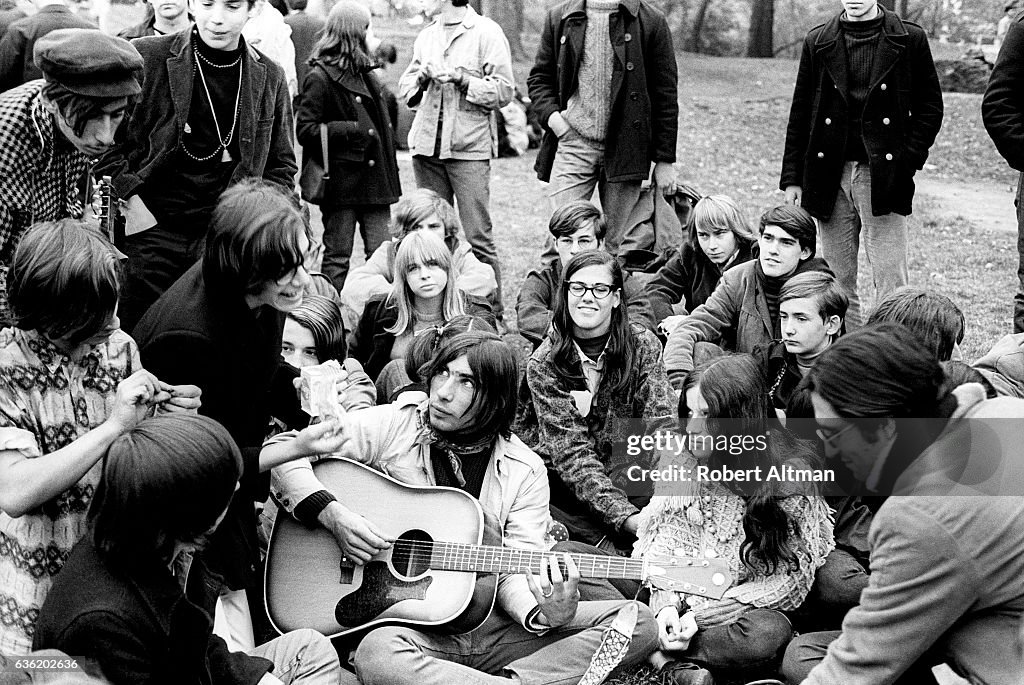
x: 577, y: 170
x: 498, y: 650
x: 467, y: 182
x: 304, y: 657
x: 885, y: 240
x: 340, y: 231
x: 808, y: 650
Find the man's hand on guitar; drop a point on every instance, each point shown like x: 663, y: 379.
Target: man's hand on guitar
x: 358, y: 538
x: 557, y: 596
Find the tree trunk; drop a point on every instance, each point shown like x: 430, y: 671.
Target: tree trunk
x: 698, y: 26
x: 903, y: 8
x: 509, y: 16
x: 762, y: 26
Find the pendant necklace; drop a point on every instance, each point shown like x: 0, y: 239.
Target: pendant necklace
x: 223, y: 141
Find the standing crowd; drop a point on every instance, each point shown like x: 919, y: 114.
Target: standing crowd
x: 166, y: 302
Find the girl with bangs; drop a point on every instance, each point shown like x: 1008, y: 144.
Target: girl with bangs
x: 720, y: 238
x: 420, y: 209
x: 425, y: 295
x: 774, y: 535
x: 595, y: 366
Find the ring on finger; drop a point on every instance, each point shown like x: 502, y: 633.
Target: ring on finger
x: 548, y: 593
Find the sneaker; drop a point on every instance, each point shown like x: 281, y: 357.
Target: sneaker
x: 685, y: 673
x: 613, y: 647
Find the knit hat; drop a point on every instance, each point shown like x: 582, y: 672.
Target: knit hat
x: 89, y: 62
x: 349, y: 17
x: 794, y: 221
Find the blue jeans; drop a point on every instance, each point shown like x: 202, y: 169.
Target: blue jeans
x: 885, y: 240
x: 306, y: 657
x: 577, y: 170
x: 469, y: 183
x: 340, y: 232
x: 497, y: 650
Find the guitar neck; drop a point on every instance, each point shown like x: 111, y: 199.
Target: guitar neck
x: 450, y: 556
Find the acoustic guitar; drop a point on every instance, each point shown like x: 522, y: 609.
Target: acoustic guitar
x: 440, y: 573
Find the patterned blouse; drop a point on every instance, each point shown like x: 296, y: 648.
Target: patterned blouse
x: 47, y: 401
x: 710, y: 524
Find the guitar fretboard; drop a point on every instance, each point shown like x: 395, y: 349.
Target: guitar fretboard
x: 451, y: 556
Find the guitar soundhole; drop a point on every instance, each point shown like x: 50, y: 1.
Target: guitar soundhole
x: 411, y: 553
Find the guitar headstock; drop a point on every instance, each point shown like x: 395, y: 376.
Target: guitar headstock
x: 689, y: 575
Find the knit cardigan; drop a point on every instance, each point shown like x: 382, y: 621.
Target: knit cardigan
x: 669, y: 525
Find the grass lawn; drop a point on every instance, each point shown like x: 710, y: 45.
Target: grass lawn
x: 733, y: 116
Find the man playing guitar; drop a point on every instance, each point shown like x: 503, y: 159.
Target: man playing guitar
x: 460, y: 436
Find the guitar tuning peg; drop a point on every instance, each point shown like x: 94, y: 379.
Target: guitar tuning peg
x: 718, y: 579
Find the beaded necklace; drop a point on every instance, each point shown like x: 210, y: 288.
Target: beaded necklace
x: 223, y: 141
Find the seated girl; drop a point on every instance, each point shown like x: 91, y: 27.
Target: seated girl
x: 774, y: 535
x: 425, y: 294
x: 593, y: 367
x: 401, y: 375
x: 70, y: 383
x: 720, y: 238
x: 418, y: 209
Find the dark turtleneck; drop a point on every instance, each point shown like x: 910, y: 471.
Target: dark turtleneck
x: 772, y: 287
x: 182, y: 194
x: 861, y: 41
x: 593, y: 347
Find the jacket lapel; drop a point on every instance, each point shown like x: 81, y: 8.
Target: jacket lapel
x: 180, y: 69
x: 830, y: 49
x: 254, y: 79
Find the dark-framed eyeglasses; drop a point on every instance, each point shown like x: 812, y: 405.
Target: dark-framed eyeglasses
x: 599, y: 290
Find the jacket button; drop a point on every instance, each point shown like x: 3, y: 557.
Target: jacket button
x: 371, y: 133
x: 371, y: 163
x: 828, y: 122
x: 634, y: 95
x: 562, y: 40
x: 834, y: 86
x: 888, y: 157
x: 359, y: 100
x: 821, y: 155
x: 885, y: 121
x: 884, y: 87
x: 629, y: 66
x: 628, y: 37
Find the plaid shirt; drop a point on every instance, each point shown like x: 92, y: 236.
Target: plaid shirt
x: 38, y: 179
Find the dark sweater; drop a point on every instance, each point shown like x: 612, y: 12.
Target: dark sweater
x: 861, y: 42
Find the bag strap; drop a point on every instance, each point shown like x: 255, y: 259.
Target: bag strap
x: 323, y: 150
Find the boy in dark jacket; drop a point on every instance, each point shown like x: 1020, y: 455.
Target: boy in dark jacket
x: 575, y: 227
x: 866, y: 108
x: 215, y: 111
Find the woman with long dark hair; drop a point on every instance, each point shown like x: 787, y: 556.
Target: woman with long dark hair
x: 774, y: 534
x: 595, y: 366
x: 341, y: 91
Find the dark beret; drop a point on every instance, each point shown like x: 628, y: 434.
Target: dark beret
x: 89, y: 62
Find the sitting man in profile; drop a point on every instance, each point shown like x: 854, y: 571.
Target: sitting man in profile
x: 946, y: 545
x: 132, y: 598
x: 459, y: 436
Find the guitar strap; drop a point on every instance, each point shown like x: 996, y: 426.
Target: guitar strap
x: 613, y: 647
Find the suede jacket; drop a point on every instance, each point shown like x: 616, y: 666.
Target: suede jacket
x: 644, y: 101
x: 737, y: 303
x: 902, y: 115
x: 391, y: 439
x: 157, y: 124
x: 537, y: 300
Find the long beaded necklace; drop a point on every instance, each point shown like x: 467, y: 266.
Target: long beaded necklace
x: 223, y: 142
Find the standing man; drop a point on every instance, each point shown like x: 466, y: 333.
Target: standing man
x: 606, y: 67
x: 460, y: 74
x: 51, y: 129
x: 1002, y: 110
x: 216, y: 111
x: 162, y: 17
x: 18, y: 44
x: 866, y: 109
